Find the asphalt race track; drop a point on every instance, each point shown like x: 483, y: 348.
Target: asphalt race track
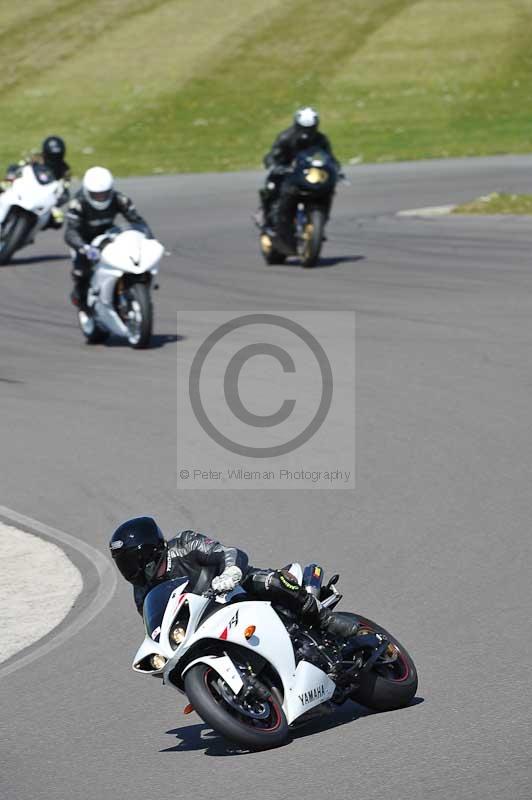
x: 434, y: 543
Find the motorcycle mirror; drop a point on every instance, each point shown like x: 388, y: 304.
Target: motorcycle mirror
x: 332, y: 581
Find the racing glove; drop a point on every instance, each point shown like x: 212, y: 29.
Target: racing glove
x: 227, y: 581
x: 91, y: 253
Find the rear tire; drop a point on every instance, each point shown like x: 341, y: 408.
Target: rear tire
x: 270, y: 254
x: 200, y: 683
x: 387, y: 687
x: 90, y: 330
x: 313, y: 238
x: 140, y: 327
x: 15, y: 235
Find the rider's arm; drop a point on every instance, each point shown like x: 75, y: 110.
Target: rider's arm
x: 212, y: 553
x: 281, y: 152
x: 326, y: 145
x: 139, y: 595
x: 74, y: 220
x: 66, y: 178
x: 128, y: 210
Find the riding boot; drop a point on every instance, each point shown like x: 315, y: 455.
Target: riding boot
x: 266, y: 201
x: 337, y: 625
x: 78, y: 296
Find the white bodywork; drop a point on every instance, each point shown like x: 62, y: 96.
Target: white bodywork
x: 304, y: 686
x: 129, y: 251
x: 27, y: 193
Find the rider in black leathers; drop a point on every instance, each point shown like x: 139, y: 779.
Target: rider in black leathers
x: 302, y: 134
x: 52, y: 156
x: 90, y: 215
x: 145, y: 559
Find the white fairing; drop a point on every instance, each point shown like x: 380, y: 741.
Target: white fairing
x: 129, y: 251
x: 26, y: 192
x: 132, y: 252
x: 304, y: 686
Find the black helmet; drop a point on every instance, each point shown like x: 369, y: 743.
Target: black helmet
x: 138, y: 548
x: 53, y: 150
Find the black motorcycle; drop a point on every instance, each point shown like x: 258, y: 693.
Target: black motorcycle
x: 302, y: 209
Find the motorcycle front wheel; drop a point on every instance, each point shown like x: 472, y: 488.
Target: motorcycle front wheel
x: 253, y: 723
x: 14, y: 232
x: 388, y: 685
x: 140, y: 316
x: 312, y: 238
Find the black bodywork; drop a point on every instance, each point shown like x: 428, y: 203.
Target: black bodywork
x: 310, y: 184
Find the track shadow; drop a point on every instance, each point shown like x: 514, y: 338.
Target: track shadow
x: 19, y: 262
x: 157, y: 340
x: 202, y: 737
x: 323, y: 263
x: 348, y: 713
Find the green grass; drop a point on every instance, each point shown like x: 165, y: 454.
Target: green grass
x: 149, y: 86
x: 496, y: 203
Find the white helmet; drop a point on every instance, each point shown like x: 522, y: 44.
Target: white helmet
x: 307, y: 117
x: 98, y: 187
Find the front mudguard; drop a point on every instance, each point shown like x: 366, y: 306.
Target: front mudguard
x: 225, y: 668
x: 20, y: 211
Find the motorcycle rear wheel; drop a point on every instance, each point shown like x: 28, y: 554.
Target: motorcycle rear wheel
x: 219, y: 707
x: 18, y: 224
x: 269, y: 253
x: 313, y: 238
x: 387, y: 686
x: 91, y: 331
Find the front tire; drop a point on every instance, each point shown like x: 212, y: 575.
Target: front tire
x: 313, y: 238
x: 388, y: 686
x: 221, y: 709
x: 140, y: 316
x: 14, y: 232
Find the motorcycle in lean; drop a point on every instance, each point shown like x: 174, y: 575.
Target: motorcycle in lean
x: 118, y: 298
x: 302, y: 209
x: 26, y: 207
x: 250, y: 669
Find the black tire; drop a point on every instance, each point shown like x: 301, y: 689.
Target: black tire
x: 225, y: 720
x: 269, y: 253
x: 16, y: 227
x: 386, y: 687
x: 140, y: 301
x: 313, y: 238
x: 90, y: 330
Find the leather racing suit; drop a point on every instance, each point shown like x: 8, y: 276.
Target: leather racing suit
x: 84, y: 223
x: 196, y: 556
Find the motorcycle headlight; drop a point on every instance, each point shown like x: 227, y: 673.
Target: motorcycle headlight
x: 177, y: 634
x: 158, y: 661
x: 315, y: 175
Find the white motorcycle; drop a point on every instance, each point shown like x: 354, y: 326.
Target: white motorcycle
x: 250, y: 669
x: 26, y: 207
x: 118, y: 298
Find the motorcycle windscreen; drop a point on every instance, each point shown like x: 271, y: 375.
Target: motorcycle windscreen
x: 156, y: 602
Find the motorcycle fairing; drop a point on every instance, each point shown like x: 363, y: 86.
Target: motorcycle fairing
x: 132, y: 252
x: 28, y: 193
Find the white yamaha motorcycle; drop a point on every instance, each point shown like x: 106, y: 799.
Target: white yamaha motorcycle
x: 250, y: 670
x: 26, y: 207
x: 118, y: 298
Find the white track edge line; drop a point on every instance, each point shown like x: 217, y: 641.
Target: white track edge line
x: 104, y: 593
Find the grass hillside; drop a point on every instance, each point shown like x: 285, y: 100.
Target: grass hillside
x: 149, y: 86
